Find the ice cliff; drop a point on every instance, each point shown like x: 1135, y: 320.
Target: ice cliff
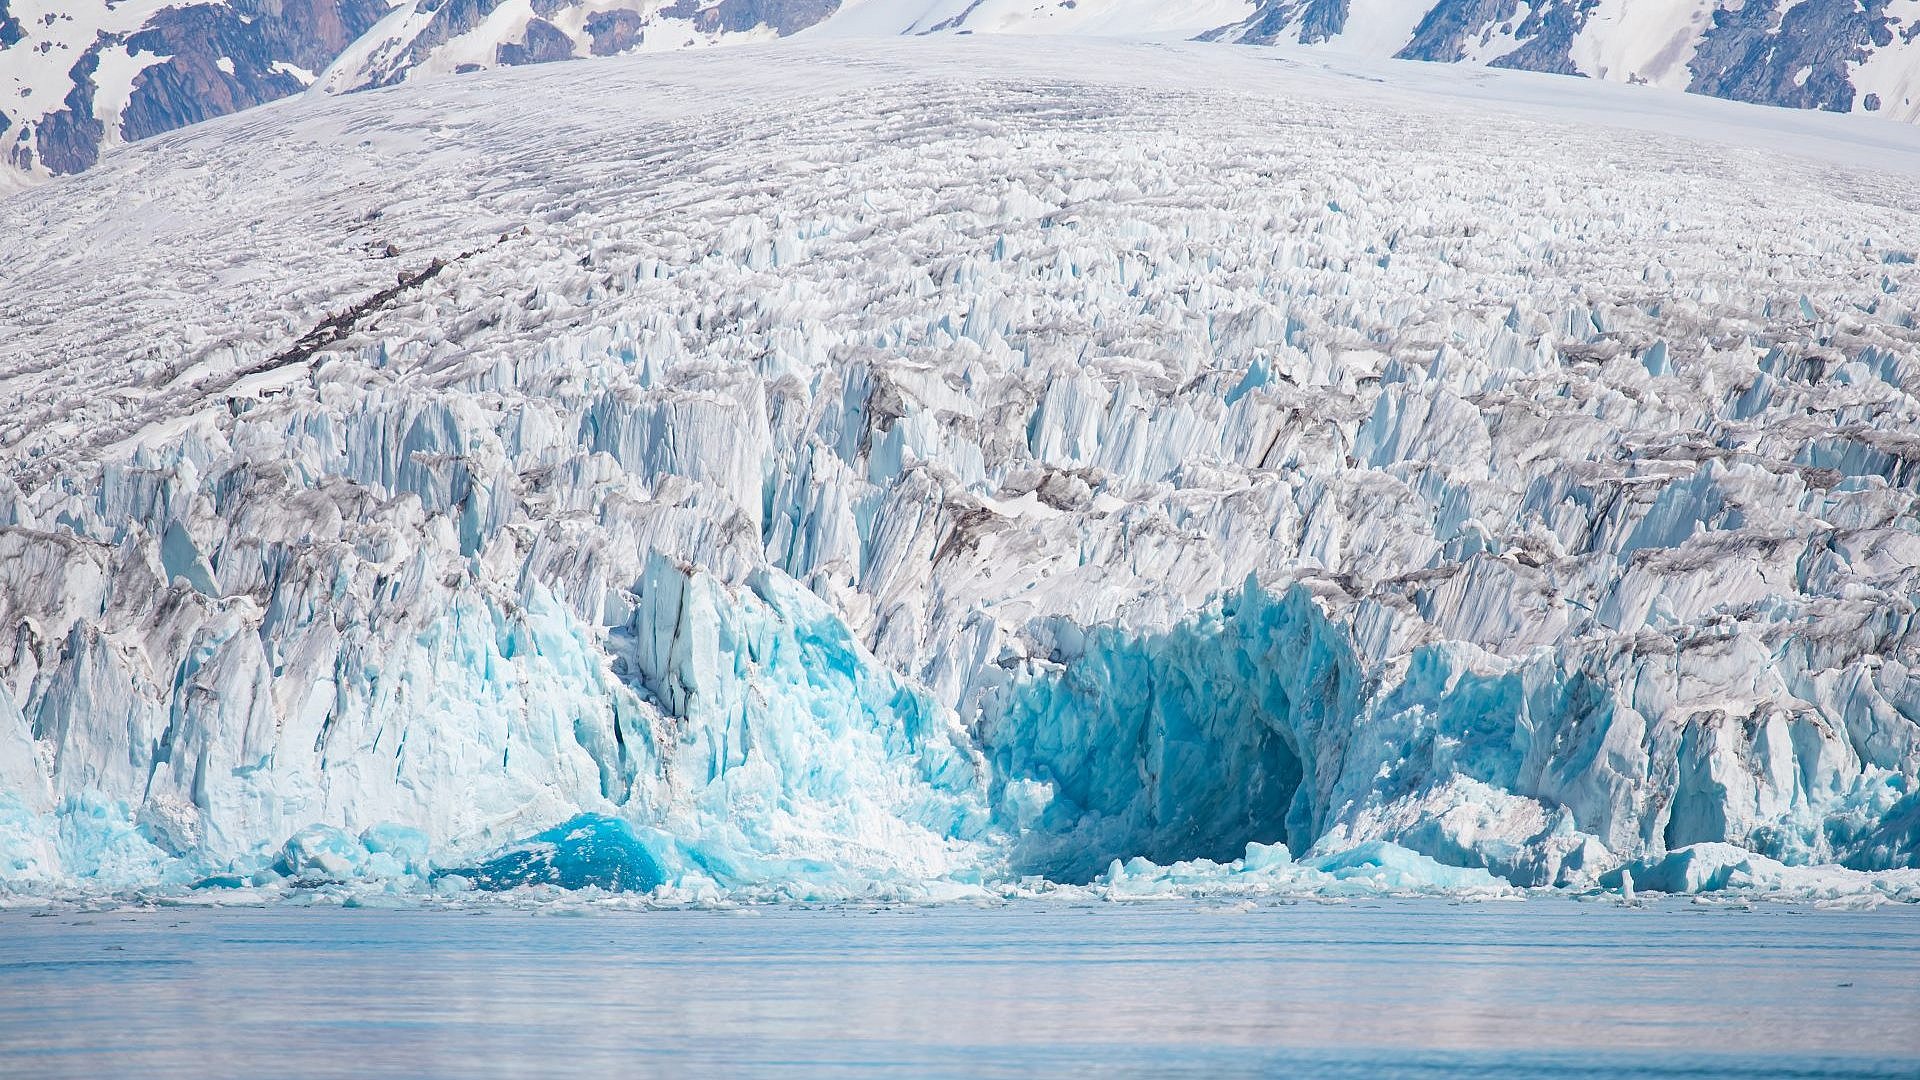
x: 925, y: 468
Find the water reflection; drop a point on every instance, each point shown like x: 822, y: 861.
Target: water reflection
x: 1388, y: 988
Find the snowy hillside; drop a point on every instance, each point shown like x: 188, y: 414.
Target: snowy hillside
x: 918, y: 466
x: 1836, y: 55
x: 423, y: 38
x: 80, y: 75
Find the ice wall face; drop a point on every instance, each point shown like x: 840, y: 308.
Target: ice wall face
x: 797, y: 474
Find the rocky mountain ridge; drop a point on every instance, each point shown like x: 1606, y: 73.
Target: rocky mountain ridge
x: 76, y: 77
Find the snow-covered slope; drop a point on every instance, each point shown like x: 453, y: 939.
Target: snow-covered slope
x: 915, y: 466
x: 77, y: 77
x: 80, y: 75
x: 1837, y: 55
x: 422, y: 38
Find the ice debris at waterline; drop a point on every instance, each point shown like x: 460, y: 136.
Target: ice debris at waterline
x: 829, y: 471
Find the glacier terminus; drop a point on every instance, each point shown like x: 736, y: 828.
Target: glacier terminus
x: 854, y: 469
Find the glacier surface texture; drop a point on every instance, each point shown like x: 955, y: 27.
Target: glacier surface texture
x: 946, y: 468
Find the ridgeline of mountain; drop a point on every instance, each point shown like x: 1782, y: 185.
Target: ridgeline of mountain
x: 78, y: 77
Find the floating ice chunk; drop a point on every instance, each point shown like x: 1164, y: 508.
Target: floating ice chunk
x: 1717, y: 867
x: 1373, y: 868
x: 1266, y: 857
x: 321, y: 851
x: 1392, y: 868
x: 395, y: 851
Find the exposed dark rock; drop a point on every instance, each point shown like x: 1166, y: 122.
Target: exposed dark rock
x: 20, y: 154
x: 1443, y: 34
x: 544, y: 43
x: 451, y: 18
x: 335, y: 328
x: 1802, y: 63
x: 1800, y: 57
x: 613, y: 32
x: 1549, y: 30
x: 784, y: 16
x: 1306, y: 21
x: 10, y: 31
x: 954, y: 21
x: 69, y: 140
x: 253, y: 36
x: 310, y: 33
x: 192, y: 86
x: 1545, y: 28
x: 224, y: 56
x: 1323, y: 20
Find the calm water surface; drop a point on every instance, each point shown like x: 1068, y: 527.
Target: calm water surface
x: 1379, y: 989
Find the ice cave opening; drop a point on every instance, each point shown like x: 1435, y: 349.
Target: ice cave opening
x: 1183, y: 743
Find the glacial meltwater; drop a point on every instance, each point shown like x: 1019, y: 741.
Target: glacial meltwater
x: 1362, y: 989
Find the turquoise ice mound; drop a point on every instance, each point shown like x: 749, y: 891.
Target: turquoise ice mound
x: 589, y: 851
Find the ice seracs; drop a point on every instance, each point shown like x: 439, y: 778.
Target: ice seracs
x: 928, y: 467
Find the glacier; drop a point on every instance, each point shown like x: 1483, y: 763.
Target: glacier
x: 963, y: 468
